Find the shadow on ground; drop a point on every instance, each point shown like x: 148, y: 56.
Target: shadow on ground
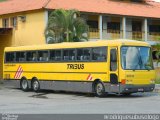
x: 43, y: 94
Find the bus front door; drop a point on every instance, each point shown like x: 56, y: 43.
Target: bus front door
x: 113, y: 74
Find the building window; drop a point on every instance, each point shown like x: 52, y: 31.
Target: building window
x: 154, y: 28
x: 113, y: 27
x: 5, y: 22
x: 13, y: 21
x: 92, y: 24
x: 137, y: 1
x: 136, y: 26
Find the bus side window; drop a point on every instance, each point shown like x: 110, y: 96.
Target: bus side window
x: 52, y: 55
x: 20, y: 56
x: 79, y: 54
x: 83, y: 54
x: 99, y: 54
x: 10, y: 57
x: 69, y: 55
x: 65, y: 55
x: 32, y: 56
x: 58, y: 55
x: 55, y: 55
x: 72, y: 54
x: 87, y: 53
x: 43, y: 56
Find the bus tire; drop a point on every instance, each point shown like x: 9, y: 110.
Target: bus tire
x: 24, y: 84
x: 99, y: 89
x: 35, y: 85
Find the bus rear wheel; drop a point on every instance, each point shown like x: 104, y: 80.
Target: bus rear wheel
x: 24, y: 84
x: 35, y: 85
x: 99, y: 89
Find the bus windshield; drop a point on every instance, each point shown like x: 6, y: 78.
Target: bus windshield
x: 136, y: 58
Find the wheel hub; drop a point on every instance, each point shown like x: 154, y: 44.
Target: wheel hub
x: 99, y: 88
x: 35, y: 85
x: 24, y: 84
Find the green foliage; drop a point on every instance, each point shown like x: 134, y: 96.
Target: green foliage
x: 157, y: 81
x: 66, y: 26
x: 157, y: 48
x: 158, y: 53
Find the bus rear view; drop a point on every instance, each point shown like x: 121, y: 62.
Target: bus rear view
x: 138, y: 74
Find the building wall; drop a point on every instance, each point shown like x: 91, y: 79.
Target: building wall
x: 5, y: 40
x: 30, y: 32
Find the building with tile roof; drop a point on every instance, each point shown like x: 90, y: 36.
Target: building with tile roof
x: 22, y: 22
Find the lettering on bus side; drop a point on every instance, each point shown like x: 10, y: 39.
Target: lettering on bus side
x: 75, y: 66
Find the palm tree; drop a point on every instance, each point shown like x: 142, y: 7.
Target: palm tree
x: 66, y: 26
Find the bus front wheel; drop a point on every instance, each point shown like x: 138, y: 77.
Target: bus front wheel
x: 99, y: 89
x: 24, y: 84
x: 35, y: 85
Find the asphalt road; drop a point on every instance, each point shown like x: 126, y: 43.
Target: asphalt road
x: 49, y: 102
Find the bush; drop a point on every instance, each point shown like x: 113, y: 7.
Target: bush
x: 157, y: 76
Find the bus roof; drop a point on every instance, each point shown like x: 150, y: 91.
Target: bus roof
x: 97, y: 43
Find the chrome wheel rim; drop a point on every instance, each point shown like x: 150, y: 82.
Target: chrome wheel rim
x: 35, y: 85
x: 99, y: 88
x: 24, y: 84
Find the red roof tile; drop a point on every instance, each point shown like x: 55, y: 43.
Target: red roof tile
x: 13, y: 6
x: 148, y: 9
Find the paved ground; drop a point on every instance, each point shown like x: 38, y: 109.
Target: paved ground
x: 16, y: 101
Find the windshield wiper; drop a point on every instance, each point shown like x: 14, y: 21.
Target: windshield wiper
x: 148, y: 67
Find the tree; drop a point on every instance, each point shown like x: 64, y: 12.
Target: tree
x: 156, y: 47
x: 158, y: 53
x: 66, y: 26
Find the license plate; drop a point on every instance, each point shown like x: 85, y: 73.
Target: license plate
x: 140, y: 89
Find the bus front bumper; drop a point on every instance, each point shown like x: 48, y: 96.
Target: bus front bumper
x: 129, y: 88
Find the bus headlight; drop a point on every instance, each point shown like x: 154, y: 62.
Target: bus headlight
x: 152, y: 81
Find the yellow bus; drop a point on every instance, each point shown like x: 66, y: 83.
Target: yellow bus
x: 104, y: 66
